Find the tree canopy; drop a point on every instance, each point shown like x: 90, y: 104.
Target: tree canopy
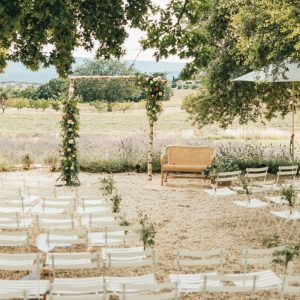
x: 27, y: 26
x: 52, y: 89
x: 225, y: 39
x: 108, y: 90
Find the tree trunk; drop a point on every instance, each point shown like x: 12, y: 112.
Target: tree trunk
x: 150, y: 151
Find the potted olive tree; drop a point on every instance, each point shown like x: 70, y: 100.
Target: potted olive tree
x: 246, y: 186
x: 290, y: 195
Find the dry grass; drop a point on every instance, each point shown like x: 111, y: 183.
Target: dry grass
x: 37, y: 133
x: 173, y: 121
x: 185, y: 217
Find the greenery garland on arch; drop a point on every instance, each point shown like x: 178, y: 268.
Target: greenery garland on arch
x: 155, y: 88
x: 69, y: 156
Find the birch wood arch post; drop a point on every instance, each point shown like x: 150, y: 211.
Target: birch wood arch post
x: 155, y: 91
x: 70, y: 127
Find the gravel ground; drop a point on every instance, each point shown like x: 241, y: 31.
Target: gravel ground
x: 186, y: 217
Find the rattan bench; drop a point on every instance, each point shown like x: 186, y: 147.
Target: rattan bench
x: 185, y: 159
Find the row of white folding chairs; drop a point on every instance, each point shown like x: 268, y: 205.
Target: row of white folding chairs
x: 183, y: 258
x: 32, y: 193
x: 130, y: 257
x: 134, y: 288
x: 259, y: 175
x: 108, y: 259
x: 49, y: 205
x: 286, y: 172
x: 190, y: 258
x: 189, y: 282
x: 130, y: 288
x: 127, y: 291
x: 58, y: 220
x: 50, y: 239
x: 39, y: 182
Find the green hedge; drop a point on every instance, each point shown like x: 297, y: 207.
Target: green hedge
x: 117, y: 165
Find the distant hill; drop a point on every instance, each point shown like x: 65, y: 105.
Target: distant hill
x: 17, y: 72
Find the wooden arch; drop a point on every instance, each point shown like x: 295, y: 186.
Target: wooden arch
x: 71, y: 93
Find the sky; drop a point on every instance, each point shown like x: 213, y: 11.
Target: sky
x: 132, y: 45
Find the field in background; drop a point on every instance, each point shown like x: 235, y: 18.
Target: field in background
x: 120, y: 136
x: 172, y: 121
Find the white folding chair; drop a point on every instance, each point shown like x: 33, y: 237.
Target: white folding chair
x: 251, y: 206
x: 53, y: 192
x: 227, y: 177
x: 73, y: 261
x: 258, y: 179
x: 38, y: 192
x: 78, y: 288
x: 277, y: 201
x: 12, y: 182
x: 14, y: 239
x: 89, y: 191
x: 290, y: 286
x: 52, y: 206
x: 262, y: 258
x: 257, y: 175
x: 11, y: 192
x: 117, y: 235
x: 74, y: 286
x: 35, y: 289
x: 115, y: 284
x: 92, y: 206
x: 190, y: 282
x: 14, y: 206
x: 20, y: 262
x: 85, y: 296
x: 288, y: 172
x: 55, y: 221
x: 15, y: 220
x: 224, y: 177
x: 161, y: 291
x: 16, y: 195
x: 13, y: 295
x: 98, y: 220
x: 116, y: 258
x: 61, y: 238
x: 93, y: 200
x: 285, y: 218
x: 231, y: 283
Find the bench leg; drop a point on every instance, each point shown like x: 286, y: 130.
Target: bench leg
x: 166, y: 178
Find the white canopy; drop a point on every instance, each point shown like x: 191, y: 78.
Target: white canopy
x: 289, y: 72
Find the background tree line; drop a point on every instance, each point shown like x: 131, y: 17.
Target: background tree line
x: 101, y: 94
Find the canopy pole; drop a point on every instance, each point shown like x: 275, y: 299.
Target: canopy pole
x: 71, y: 89
x: 292, y: 142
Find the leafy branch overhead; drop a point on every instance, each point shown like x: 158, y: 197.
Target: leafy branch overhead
x: 28, y: 26
x: 224, y: 39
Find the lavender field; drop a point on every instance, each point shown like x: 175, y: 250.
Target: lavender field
x: 117, y: 141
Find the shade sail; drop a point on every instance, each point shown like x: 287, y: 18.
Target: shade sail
x: 289, y: 72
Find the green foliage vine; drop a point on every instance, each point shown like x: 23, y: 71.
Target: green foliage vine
x: 69, y: 149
